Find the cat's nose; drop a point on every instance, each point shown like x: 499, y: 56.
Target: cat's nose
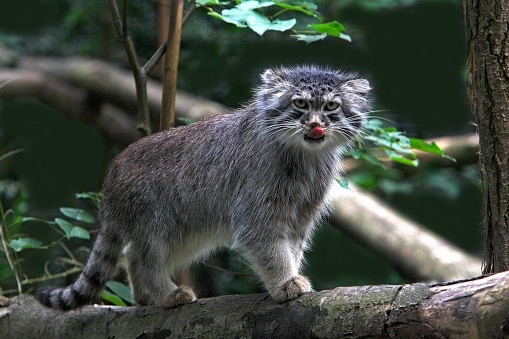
x: 314, y: 121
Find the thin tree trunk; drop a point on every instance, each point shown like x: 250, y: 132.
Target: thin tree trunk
x: 487, y: 29
x: 171, y: 60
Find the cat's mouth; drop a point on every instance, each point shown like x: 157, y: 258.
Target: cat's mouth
x: 316, y: 134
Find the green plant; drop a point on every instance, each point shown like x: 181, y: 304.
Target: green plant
x: 72, y: 223
x: 301, y: 18
x: 391, y: 144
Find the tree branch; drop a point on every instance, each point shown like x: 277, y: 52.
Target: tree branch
x: 115, y: 85
x: 140, y: 77
x: 477, y: 308
x: 416, y: 252
x: 71, y: 101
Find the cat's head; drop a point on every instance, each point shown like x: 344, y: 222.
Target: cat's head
x: 313, y: 107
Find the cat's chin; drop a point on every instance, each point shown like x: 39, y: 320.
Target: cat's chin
x: 314, y: 144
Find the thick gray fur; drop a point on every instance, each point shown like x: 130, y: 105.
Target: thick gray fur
x: 254, y: 179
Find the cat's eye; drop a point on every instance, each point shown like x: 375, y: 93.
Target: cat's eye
x: 300, y: 103
x: 331, y: 106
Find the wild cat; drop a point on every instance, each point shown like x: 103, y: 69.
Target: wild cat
x: 256, y: 179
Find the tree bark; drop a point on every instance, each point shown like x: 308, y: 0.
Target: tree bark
x: 487, y: 29
x: 477, y: 308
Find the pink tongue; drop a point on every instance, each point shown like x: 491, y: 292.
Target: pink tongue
x: 316, y: 132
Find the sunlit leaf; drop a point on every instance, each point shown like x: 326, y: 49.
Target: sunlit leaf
x: 112, y: 298
x: 77, y: 214
x: 332, y: 28
x: 260, y: 23
x: 233, y: 16
x: 422, y: 145
x: 345, y: 37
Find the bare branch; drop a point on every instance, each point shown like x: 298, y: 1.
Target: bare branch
x: 140, y: 77
x: 188, y: 13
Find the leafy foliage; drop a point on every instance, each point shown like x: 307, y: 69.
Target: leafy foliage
x: 396, y: 146
x: 65, y: 230
x: 263, y: 16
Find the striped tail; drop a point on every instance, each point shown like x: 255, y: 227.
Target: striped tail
x: 100, y: 268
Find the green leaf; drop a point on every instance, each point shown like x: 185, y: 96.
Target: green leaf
x: 65, y: 226
x: 260, y: 23
x: 232, y: 16
x: 362, y: 154
x: 77, y: 214
x: 121, y: 290
x: 301, y: 9
x: 401, y: 159
x: 26, y: 219
x: 112, y: 298
x: 79, y: 232
x: 200, y: 3
x: 332, y: 28
x: 374, y: 124
x: 309, y: 4
x: 21, y: 244
x: 72, y: 231
x: 253, y: 4
x: 205, y: 2
x: 345, y: 37
x: 309, y: 38
x: 422, y: 145
x: 95, y: 197
x: 343, y: 183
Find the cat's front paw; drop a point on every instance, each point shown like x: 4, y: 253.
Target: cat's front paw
x: 291, y: 289
x: 181, y: 296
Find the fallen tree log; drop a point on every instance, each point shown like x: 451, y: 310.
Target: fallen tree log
x: 71, y: 101
x: 477, y: 308
x: 113, y: 84
x: 415, y: 251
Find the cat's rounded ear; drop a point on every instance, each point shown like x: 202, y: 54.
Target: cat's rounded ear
x: 272, y: 76
x: 360, y: 86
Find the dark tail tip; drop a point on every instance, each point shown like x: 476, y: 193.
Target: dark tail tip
x: 43, y: 294
x: 61, y: 298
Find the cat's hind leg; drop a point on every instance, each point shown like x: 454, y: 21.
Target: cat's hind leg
x: 150, y: 278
